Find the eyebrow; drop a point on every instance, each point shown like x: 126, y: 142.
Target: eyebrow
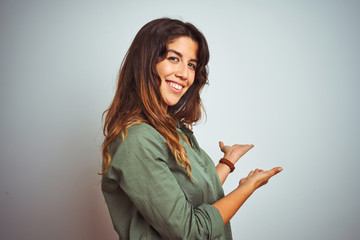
x: 180, y: 55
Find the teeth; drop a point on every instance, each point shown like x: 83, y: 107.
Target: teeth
x: 176, y: 86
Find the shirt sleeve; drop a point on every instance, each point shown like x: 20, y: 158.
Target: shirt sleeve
x: 141, y: 169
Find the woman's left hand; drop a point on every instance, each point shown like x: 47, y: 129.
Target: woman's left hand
x: 235, y: 152
x: 259, y: 177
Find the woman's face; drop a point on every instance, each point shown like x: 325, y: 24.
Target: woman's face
x: 177, y: 69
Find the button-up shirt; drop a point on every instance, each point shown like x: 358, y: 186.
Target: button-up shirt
x: 149, y: 196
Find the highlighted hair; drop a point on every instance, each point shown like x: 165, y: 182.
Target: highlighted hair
x: 138, y: 99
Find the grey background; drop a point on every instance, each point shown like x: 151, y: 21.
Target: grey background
x: 284, y: 75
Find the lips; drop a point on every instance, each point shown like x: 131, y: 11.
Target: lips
x: 175, y: 87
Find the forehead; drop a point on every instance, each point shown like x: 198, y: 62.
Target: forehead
x: 184, y: 45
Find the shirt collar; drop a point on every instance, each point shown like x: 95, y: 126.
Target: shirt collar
x: 184, y: 129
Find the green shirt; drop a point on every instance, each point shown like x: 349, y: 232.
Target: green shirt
x: 150, y: 196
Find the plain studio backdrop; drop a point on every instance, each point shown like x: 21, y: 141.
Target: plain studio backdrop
x: 284, y: 75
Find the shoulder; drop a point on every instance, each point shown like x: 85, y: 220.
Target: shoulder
x: 142, y: 133
x: 142, y: 149
x: 141, y: 139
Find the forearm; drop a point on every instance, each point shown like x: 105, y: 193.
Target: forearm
x: 230, y: 204
x: 223, y: 171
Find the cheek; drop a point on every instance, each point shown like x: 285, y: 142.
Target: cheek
x: 192, y: 80
x: 191, y: 83
x: 159, y: 69
x: 163, y: 69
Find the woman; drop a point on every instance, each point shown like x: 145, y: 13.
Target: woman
x: 157, y: 182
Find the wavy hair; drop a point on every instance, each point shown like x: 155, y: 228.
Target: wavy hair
x: 138, y: 98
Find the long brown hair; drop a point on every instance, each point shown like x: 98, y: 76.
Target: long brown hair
x: 138, y: 99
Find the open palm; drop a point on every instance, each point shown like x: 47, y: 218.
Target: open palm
x: 235, y: 152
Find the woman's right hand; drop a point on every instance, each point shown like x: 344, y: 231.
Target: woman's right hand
x: 235, y: 152
x: 259, y: 177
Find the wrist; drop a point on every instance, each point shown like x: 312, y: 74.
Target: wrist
x: 228, y: 163
x: 230, y: 158
x: 247, y: 186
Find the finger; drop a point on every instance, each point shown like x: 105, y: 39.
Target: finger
x: 275, y: 170
x: 251, y: 173
x: 247, y: 147
x: 221, y: 145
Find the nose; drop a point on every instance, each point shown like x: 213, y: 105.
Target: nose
x: 182, y: 71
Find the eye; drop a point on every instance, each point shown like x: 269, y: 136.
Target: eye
x: 173, y: 59
x: 192, y: 66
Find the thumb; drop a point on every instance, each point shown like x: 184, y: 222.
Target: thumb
x: 221, y: 144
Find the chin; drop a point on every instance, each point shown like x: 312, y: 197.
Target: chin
x: 172, y: 102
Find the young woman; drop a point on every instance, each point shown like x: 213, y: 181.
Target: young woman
x: 157, y: 181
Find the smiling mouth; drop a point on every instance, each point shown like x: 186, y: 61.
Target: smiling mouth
x: 175, y: 86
